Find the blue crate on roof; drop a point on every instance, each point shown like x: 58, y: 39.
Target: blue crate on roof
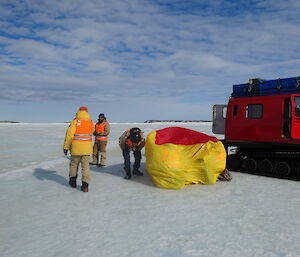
x: 240, y: 90
x: 260, y: 87
x: 281, y: 86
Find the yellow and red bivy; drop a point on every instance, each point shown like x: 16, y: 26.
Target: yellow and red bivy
x: 177, y: 157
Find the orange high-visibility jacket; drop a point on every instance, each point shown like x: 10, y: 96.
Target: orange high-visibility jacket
x: 100, y: 129
x: 130, y: 144
x: 84, y: 130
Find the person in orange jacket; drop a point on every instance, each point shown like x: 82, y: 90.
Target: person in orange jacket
x: 102, y: 130
x: 132, y: 139
x: 78, y: 141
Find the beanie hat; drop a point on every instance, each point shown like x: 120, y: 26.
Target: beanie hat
x: 83, y: 108
x: 101, y: 115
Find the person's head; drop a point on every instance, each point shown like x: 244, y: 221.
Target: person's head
x: 101, y: 117
x: 135, y: 135
x: 83, y: 108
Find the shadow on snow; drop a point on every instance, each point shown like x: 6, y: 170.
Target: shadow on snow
x: 118, y: 170
x: 115, y: 170
x: 42, y: 174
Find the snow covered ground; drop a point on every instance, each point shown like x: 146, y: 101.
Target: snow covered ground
x: 40, y: 215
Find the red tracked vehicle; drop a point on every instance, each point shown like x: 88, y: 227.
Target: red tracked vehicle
x: 261, y: 127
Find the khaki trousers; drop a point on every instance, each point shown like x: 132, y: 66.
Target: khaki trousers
x: 74, y: 165
x: 99, y: 149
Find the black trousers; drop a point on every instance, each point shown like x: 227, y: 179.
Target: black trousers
x: 137, y: 159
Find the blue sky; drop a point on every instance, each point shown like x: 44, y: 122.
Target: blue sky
x: 139, y: 59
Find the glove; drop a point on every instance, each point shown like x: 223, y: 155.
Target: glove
x: 65, y: 151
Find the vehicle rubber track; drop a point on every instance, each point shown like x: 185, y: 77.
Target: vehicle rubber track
x: 276, y: 165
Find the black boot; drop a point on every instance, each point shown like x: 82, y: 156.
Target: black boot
x: 128, y: 174
x: 72, y: 182
x: 137, y: 172
x: 84, y: 187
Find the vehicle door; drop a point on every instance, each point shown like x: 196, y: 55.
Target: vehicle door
x: 219, y: 117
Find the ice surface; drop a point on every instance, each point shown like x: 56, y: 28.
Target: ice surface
x: 42, y: 216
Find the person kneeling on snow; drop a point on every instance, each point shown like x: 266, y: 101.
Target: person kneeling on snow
x: 132, y: 139
x: 79, y: 141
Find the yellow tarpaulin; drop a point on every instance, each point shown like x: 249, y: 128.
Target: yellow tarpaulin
x: 177, y: 157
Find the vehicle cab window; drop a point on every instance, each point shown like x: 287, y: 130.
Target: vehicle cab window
x: 254, y: 111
